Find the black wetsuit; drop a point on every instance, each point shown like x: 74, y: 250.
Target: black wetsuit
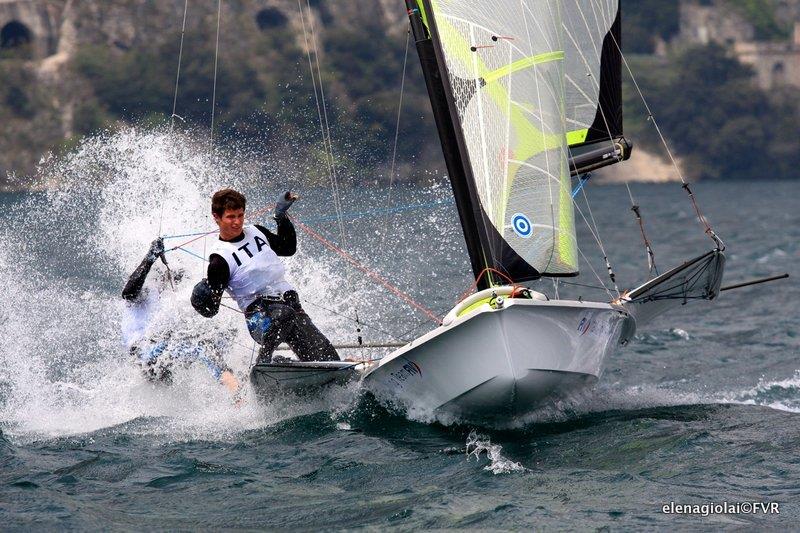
x: 272, y: 320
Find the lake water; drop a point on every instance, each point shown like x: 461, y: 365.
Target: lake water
x: 702, y: 408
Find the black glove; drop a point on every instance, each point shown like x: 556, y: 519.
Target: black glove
x: 284, y: 203
x: 156, y: 250
x: 203, y: 299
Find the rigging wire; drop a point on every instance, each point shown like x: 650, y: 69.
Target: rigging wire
x: 216, y: 63
x: 593, y: 228
x: 174, y: 107
x: 596, y: 236
x: 610, y: 270
x: 375, y: 276
x: 591, y: 267
x: 178, y: 73
x: 634, y: 207
x: 651, y: 256
x: 389, y: 218
x: 171, y: 128
x: 684, y: 184
x: 586, y: 285
x: 361, y: 322
x: 322, y: 112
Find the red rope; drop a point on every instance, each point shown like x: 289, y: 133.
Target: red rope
x: 485, y: 271
x: 191, y: 240
x: 350, y: 259
x: 397, y: 292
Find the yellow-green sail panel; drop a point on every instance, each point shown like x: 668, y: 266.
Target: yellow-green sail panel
x: 505, y: 62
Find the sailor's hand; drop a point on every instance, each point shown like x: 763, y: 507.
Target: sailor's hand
x: 284, y: 203
x: 228, y: 379
x: 156, y: 250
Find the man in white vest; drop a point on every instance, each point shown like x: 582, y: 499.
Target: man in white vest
x: 245, y: 262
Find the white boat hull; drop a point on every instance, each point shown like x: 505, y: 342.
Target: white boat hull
x: 502, y: 363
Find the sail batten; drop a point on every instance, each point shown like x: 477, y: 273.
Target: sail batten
x: 516, y: 106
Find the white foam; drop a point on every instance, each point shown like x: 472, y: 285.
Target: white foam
x: 64, y: 369
x: 498, y: 464
x: 782, y: 395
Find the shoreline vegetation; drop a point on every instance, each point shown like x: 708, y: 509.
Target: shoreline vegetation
x: 717, y: 121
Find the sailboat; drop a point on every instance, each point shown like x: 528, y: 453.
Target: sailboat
x: 526, y: 97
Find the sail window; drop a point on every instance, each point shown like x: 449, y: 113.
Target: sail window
x: 270, y: 18
x: 14, y: 35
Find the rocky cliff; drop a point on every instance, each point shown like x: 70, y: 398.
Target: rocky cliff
x: 54, y: 53
x: 70, y: 68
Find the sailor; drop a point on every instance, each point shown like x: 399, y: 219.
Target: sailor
x: 158, y: 343
x: 245, y: 261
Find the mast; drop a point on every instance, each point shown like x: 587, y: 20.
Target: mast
x: 454, y: 153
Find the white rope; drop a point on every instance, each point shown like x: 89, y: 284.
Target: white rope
x: 336, y: 195
x: 322, y: 114
x: 216, y: 62
x: 178, y: 74
x: 390, y: 216
x: 596, y: 232
x: 599, y: 244
x: 630, y: 194
x: 599, y: 241
x: 316, y: 96
x: 174, y: 107
x: 650, y: 115
x: 595, y: 273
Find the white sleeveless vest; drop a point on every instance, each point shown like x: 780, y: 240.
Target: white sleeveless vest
x: 255, y: 268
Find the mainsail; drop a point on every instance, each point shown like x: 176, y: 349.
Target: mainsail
x: 516, y: 87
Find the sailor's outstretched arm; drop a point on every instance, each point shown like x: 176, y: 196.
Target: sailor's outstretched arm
x: 133, y: 288
x: 285, y: 242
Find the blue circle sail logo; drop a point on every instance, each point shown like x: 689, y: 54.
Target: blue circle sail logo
x: 522, y: 225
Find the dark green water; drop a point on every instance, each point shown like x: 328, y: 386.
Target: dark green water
x: 702, y: 408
